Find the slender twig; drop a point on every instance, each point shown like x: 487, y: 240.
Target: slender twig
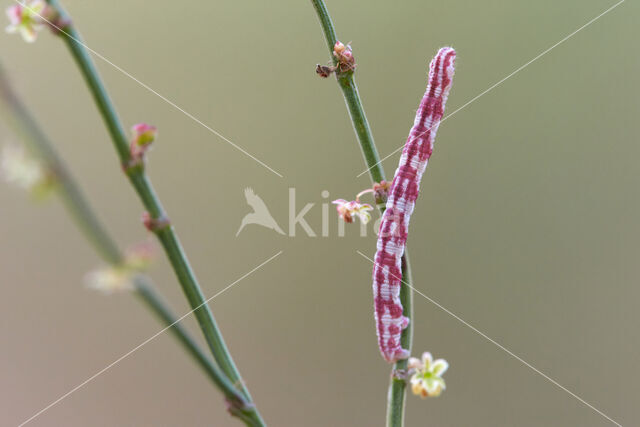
x: 141, y: 183
x: 26, y: 127
x: 351, y: 97
x: 397, y: 388
x: 237, y: 402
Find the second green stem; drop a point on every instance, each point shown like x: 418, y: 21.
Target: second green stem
x: 28, y: 129
x: 166, y: 235
x: 397, y: 387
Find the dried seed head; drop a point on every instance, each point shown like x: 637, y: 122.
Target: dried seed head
x: 324, y: 71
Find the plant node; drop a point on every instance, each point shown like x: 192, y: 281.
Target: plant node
x: 155, y: 224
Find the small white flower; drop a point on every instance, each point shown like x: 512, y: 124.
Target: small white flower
x: 120, y: 278
x: 110, y: 279
x: 348, y: 209
x: 24, y: 171
x: 427, y: 375
x: 27, y: 19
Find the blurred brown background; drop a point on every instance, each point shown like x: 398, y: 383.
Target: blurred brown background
x: 527, y: 225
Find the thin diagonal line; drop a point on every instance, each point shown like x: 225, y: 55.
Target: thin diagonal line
x: 490, y: 88
x: 129, y: 353
x: 500, y: 346
x: 147, y: 87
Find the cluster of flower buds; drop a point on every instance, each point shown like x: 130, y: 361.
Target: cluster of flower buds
x: 143, y: 137
x: 29, y: 17
x: 27, y: 172
x: 345, y: 62
x: 426, y: 375
x: 344, y: 56
x: 120, y: 278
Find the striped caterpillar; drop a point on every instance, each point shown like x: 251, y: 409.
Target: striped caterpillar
x: 392, y: 236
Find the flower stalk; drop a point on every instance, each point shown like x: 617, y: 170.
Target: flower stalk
x: 26, y: 127
x: 345, y: 79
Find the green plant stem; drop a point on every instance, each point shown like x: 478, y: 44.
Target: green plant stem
x: 166, y: 235
x: 23, y: 123
x: 25, y: 126
x: 352, y: 98
x: 155, y: 303
x: 397, y: 388
x: 398, y: 383
x: 142, y: 185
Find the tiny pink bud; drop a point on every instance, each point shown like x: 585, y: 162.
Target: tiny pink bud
x: 143, y: 136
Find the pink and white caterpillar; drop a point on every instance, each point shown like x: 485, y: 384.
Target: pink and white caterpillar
x: 392, y: 236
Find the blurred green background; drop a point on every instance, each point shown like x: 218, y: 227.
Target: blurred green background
x: 527, y: 225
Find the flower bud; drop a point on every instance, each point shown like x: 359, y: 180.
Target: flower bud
x: 381, y: 191
x: 344, y: 56
x: 143, y: 136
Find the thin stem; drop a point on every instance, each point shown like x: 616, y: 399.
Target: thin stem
x: 398, y: 382
x: 166, y: 235
x: 143, y: 187
x: 352, y: 98
x: 397, y: 388
x: 23, y: 123
x: 155, y: 302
